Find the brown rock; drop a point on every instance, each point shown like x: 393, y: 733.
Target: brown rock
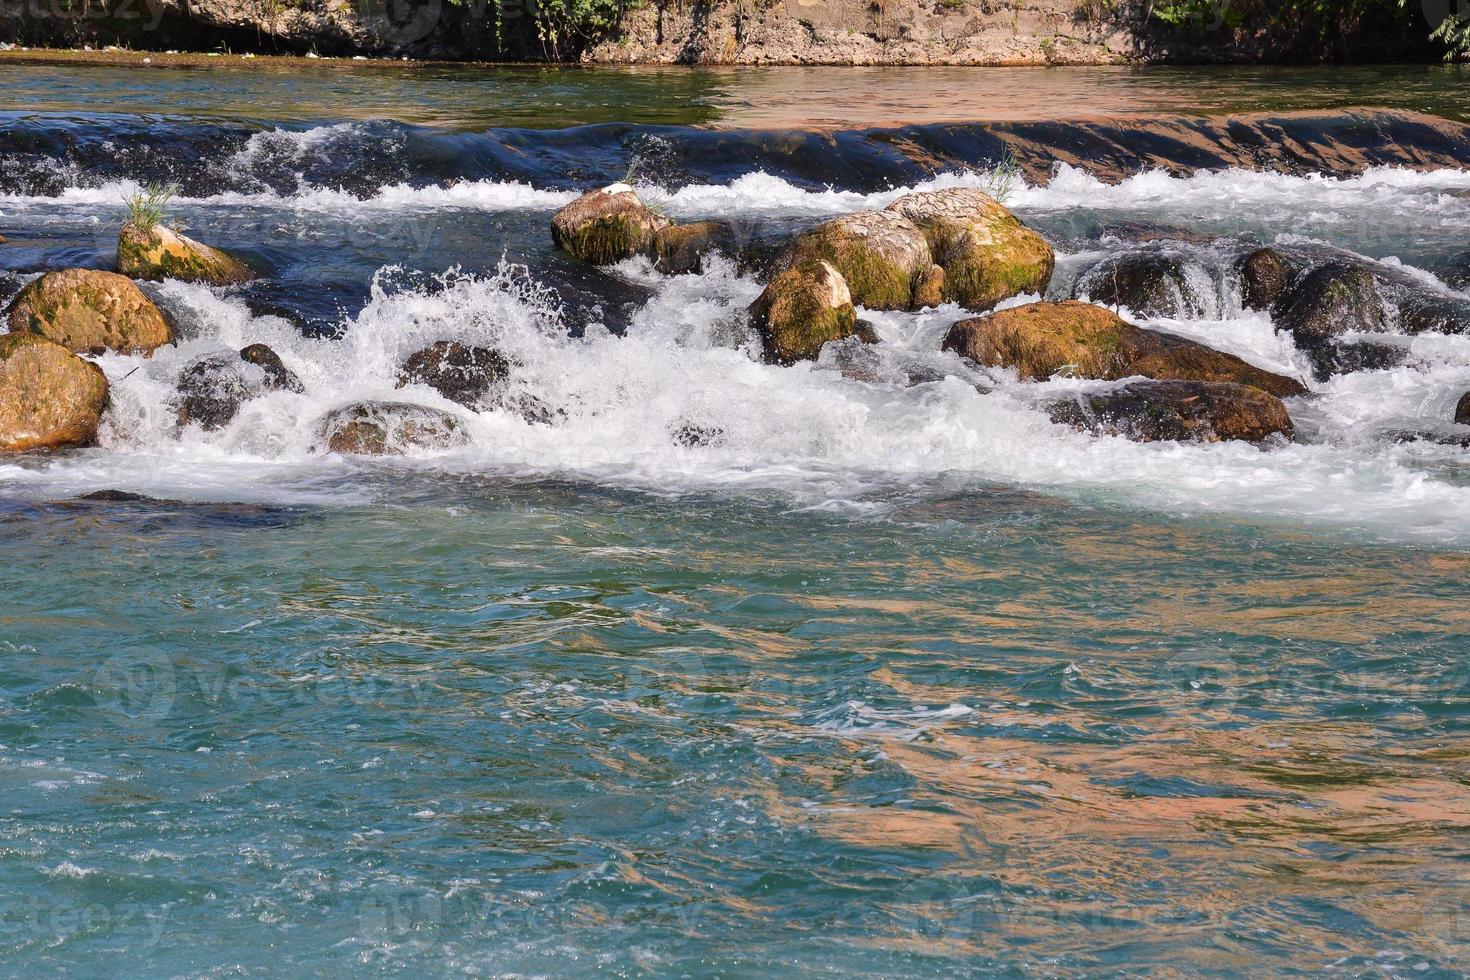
x: 49, y: 397
x: 87, y: 310
x: 158, y: 252
x: 802, y: 309
x: 607, y: 226
x: 1265, y: 275
x: 389, y: 429
x: 1041, y: 340
x: 1462, y: 410
x: 680, y: 249
x: 460, y: 373
x: 1183, y: 411
x: 986, y: 253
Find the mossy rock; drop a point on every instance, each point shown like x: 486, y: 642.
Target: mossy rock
x: 1177, y: 411
x: 376, y: 428
x: 49, y: 397
x: 681, y: 249
x: 157, y: 252
x: 883, y: 257
x: 90, y: 311
x: 1041, y: 340
x: 1150, y: 284
x: 1335, y: 299
x: 987, y: 254
x: 802, y: 309
x: 1265, y: 275
x: 607, y: 226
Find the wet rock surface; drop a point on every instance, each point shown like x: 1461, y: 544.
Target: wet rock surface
x: 1177, y: 411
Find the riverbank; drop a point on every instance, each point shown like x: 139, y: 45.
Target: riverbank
x: 1007, y: 33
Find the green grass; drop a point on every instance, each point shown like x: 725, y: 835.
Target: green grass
x: 148, y: 205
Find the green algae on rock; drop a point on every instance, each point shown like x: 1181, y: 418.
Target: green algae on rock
x: 88, y: 310
x: 49, y: 397
x: 802, y: 309
x: 607, y: 226
x: 158, y: 252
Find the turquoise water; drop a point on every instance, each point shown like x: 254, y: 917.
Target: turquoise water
x: 893, y: 678
x: 552, y: 729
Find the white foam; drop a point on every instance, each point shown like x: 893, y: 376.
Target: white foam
x: 807, y: 431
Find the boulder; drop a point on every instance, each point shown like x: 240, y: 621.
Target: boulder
x: 212, y: 389
x: 1265, y: 275
x: 1426, y: 313
x: 802, y: 309
x: 278, y: 377
x: 607, y: 226
x: 49, y: 397
x: 1455, y: 271
x: 158, y: 252
x: 89, y: 311
x: 1347, y: 356
x: 1147, y: 283
x: 1181, y: 411
x: 462, y: 374
x: 1462, y: 410
x: 1040, y: 340
x: 1334, y: 299
x: 680, y: 249
x: 883, y: 257
x: 986, y: 253
x: 377, y: 428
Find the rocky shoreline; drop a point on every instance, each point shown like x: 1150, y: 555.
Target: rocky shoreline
x: 701, y: 32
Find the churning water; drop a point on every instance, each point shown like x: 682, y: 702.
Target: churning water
x: 894, y: 676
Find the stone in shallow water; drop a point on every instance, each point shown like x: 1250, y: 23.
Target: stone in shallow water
x: 461, y: 373
x: 1462, y: 410
x: 1148, y: 284
x: 376, y: 428
x: 211, y: 391
x: 1041, y: 340
x: 86, y: 310
x: 278, y: 377
x: 1332, y: 300
x: 1265, y: 275
x: 802, y: 309
x: 1181, y: 411
x: 158, y: 252
x: 49, y: 397
x: 607, y: 226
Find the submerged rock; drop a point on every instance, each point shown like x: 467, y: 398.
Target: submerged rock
x: 89, y: 311
x: 49, y: 397
x: 1426, y: 313
x: 211, y: 391
x: 377, y: 428
x: 1149, y: 284
x: 463, y: 374
x: 883, y: 257
x: 213, y: 388
x: 986, y: 253
x: 692, y: 435
x: 802, y: 309
x: 1178, y: 411
x: 1041, y: 340
x: 278, y: 377
x: 607, y: 226
x: 1332, y: 300
x: 158, y: 252
x: 1265, y: 275
x: 1348, y: 356
x: 681, y: 249
x: 1462, y: 410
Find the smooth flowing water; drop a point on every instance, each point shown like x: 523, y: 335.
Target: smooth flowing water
x: 893, y: 677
